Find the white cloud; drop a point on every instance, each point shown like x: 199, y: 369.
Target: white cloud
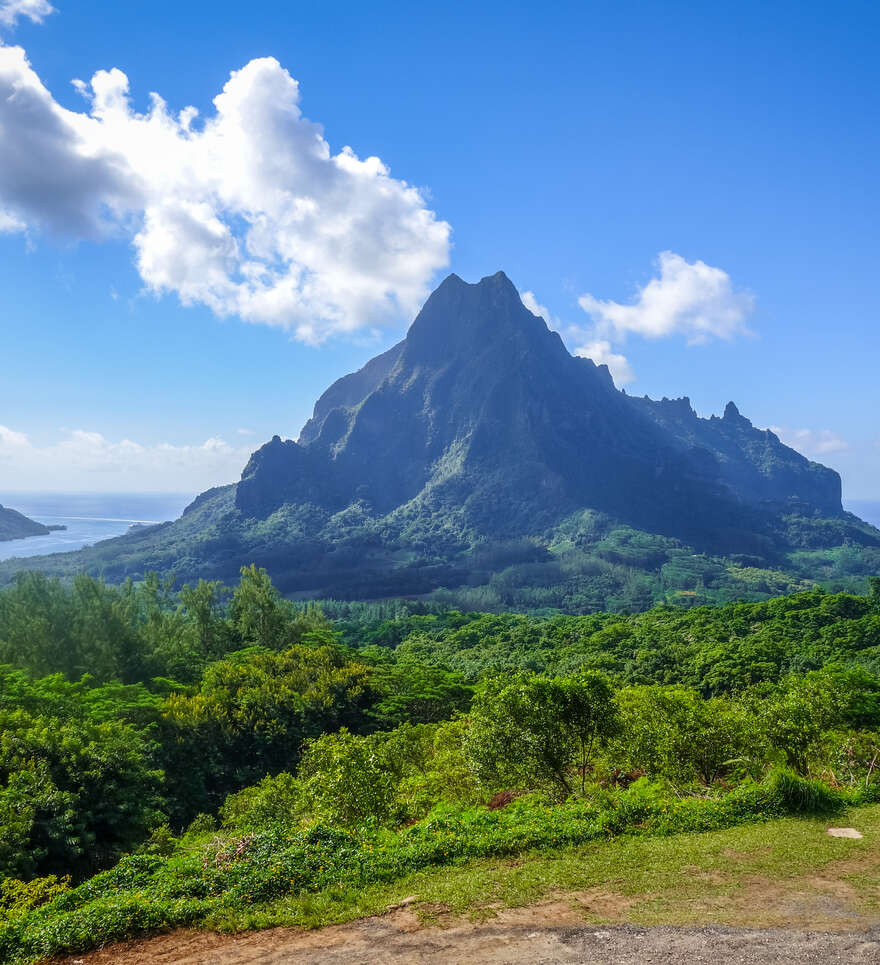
x: 10, y: 440
x: 249, y: 212
x: 89, y: 461
x: 691, y: 299
x: 12, y: 10
x: 599, y: 350
x: 536, y: 308
x: 688, y: 298
x: 811, y: 442
x: 9, y: 223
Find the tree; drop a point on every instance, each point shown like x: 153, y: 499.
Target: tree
x: 256, y: 609
x: 674, y: 733
x: 589, y: 713
x: 346, y: 780
x: 795, y: 715
x: 535, y: 729
x: 410, y: 692
x: 203, y: 606
x: 73, y: 794
x: 250, y: 717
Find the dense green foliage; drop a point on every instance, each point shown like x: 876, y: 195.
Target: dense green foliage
x: 588, y: 562
x: 221, y: 746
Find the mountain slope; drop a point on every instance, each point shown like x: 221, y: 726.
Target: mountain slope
x: 479, y: 452
x: 15, y: 525
x: 482, y: 402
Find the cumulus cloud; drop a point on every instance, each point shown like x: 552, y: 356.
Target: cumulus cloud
x: 599, y: 350
x: 9, y: 224
x: 687, y: 298
x: 811, y: 442
x: 13, y: 10
x: 89, y: 461
x: 247, y: 212
x: 536, y: 308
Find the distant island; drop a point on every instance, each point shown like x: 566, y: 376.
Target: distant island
x: 15, y: 525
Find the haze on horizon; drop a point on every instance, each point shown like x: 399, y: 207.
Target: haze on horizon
x: 184, y: 272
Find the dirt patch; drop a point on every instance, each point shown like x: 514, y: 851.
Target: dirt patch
x: 820, y: 918
x: 827, y: 901
x: 602, y: 905
x: 397, y: 940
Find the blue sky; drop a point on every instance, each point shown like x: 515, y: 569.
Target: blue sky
x: 569, y: 144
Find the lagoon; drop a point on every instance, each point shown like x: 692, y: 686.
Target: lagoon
x: 89, y: 517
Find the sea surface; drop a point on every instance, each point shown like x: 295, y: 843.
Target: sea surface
x: 866, y: 509
x: 89, y: 517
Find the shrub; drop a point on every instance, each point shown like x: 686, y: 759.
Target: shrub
x: 18, y: 897
x: 800, y: 795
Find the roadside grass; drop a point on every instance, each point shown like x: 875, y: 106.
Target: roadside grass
x: 644, y: 859
x: 787, y: 871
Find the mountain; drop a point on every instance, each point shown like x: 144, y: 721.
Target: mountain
x: 479, y: 454
x: 14, y: 525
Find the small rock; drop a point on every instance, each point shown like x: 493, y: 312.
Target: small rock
x: 404, y: 902
x: 844, y: 833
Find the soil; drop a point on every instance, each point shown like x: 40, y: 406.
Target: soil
x: 825, y: 918
x: 823, y: 926
x: 399, y: 940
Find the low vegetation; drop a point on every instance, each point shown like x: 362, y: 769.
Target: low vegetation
x: 201, y: 756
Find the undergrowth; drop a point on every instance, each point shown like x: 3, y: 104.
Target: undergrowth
x: 208, y: 876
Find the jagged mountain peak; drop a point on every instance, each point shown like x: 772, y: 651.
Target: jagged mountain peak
x: 460, y: 319
x: 478, y: 442
x: 481, y: 397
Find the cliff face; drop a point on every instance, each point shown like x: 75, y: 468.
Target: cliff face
x: 481, y: 400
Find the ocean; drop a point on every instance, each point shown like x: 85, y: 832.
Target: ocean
x: 866, y: 509
x: 89, y: 517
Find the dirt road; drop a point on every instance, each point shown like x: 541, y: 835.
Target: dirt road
x: 544, y: 934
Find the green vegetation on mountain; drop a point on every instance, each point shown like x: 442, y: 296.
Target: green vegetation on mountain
x: 199, y: 756
x: 15, y: 525
x: 479, y: 465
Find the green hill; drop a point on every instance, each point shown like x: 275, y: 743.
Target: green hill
x: 14, y: 525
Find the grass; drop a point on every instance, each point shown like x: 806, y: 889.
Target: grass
x: 786, y: 871
x: 640, y: 858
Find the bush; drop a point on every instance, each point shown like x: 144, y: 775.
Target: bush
x: 18, y: 897
x: 277, y: 799
x: 800, y: 795
x: 345, y: 780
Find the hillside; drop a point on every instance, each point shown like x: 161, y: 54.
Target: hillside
x: 221, y: 758
x: 480, y: 456
x: 15, y: 525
